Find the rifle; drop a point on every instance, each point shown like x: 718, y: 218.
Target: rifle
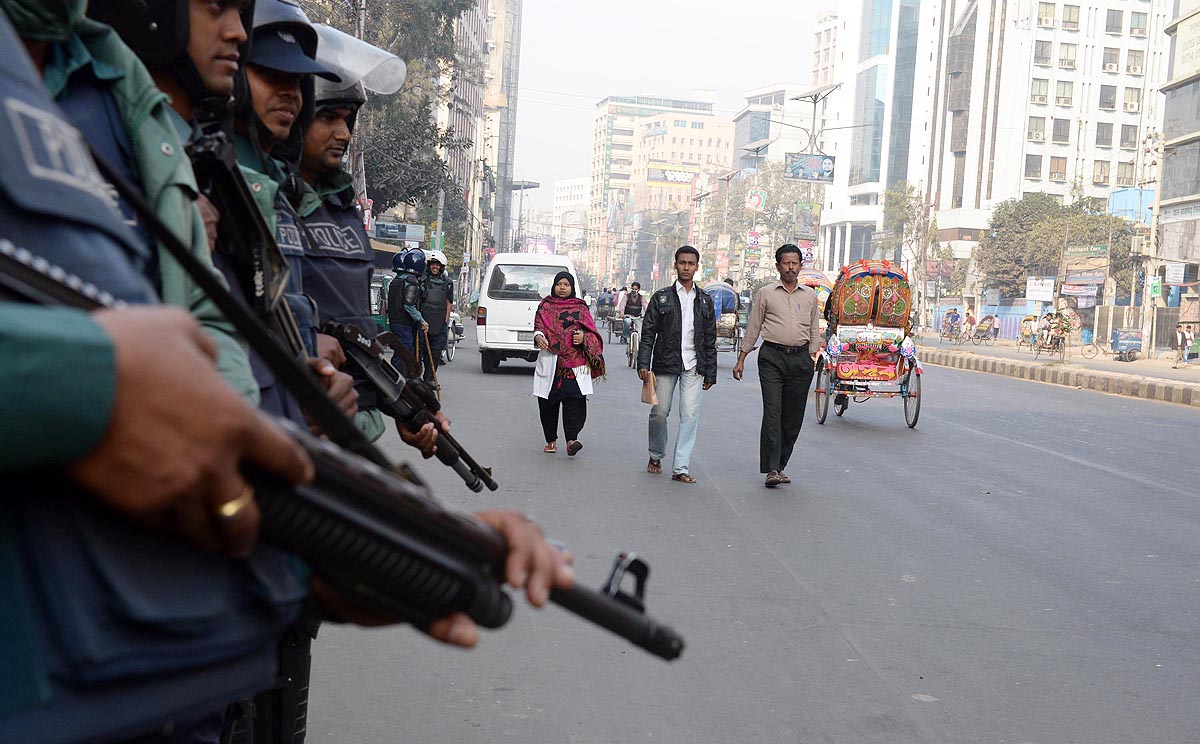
x: 370, y: 532
x: 411, y: 402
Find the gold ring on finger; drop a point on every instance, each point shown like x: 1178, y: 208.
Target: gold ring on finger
x: 231, y: 509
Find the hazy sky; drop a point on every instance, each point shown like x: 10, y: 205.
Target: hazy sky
x: 574, y: 54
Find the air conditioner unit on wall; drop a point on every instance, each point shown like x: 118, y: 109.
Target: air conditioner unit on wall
x: 1038, y: 99
x: 1037, y: 136
x: 1110, y: 66
x: 1135, y: 70
x: 1138, y: 32
x: 1131, y: 107
x: 1062, y: 101
x: 1046, y: 22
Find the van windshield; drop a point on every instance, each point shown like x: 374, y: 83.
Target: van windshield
x: 521, y: 281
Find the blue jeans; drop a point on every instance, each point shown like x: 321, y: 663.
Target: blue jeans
x: 690, y: 384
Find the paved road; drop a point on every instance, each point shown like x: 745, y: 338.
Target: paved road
x: 1023, y: 567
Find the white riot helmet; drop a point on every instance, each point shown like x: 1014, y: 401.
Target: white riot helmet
x: 435, y: 255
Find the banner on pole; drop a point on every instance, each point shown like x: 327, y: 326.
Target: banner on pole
x: 1039, y: 289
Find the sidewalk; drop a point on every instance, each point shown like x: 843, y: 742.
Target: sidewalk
x: 1152, y: 379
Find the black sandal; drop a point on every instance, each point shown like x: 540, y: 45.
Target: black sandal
x: 654, y: 466
x: 573, y: 447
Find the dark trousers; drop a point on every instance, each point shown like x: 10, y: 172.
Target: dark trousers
x: 785, y: 379
x: 574, y: 414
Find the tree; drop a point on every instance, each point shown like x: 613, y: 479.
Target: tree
x: 776, y: 216
x: 1026, y: 237
x: 400, y: 141
x: 903, y: 223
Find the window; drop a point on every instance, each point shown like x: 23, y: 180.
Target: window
x: 1100, y: 172
x: 1039, y: 89
x: 1112, y: 59
x: 1062, y: 131
x: 1137, y: 24
x: 1070, y: 17
x: 1037, y: 129
x: 1104, y: 132
x: 1058, y: 169
x: 1129, y: 136
x: 1064, y: 92
x: 521, y: 281
x: 1125, y: 174
x: 1108, y: 97
x: 1066, y: 56
x: 1033, y: 166
x: 1041, y: 52
x: 1133, y: 99
x: 1134, y: 60
x: 1046, y: 15
x: 1115, y: 23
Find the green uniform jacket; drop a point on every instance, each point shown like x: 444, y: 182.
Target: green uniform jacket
x: 170, y: 187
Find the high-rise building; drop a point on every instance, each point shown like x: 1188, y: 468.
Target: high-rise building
x: 463, y: 112
x: 824, y: 62
x: 610, y: 188
x: 879, y: 107
x: 1179, y: 210
x: 1048, y: 97
x: 501, y: 77
x: 570, y: 217
x: 771, y: 124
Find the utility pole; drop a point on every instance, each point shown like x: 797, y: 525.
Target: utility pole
x: 1152, y: 145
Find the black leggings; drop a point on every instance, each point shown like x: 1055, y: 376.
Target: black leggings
x: 574, y: 415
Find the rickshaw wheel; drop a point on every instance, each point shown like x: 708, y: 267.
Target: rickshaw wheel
x: 821, y: 392
x: 912, y: 399
x: 976, y: 339
x: 1131, y: 355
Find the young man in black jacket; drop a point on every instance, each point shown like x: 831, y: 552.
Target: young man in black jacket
x: 679, y: 344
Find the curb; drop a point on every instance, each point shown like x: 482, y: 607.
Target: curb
x: 1113, y: 383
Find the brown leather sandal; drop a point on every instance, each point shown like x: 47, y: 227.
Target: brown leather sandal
x: 683, y: 478
x: 654, y: 466
x: 550, y: 448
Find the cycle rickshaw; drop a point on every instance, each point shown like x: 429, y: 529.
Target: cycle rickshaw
x: 729, y: 322
x: 869, y: 352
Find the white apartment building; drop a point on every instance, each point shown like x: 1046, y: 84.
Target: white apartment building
x: 824, y: 64
x: 569, y: 227
x: 1052, y: 97
x: 771, y: 124
x: 610, y: 187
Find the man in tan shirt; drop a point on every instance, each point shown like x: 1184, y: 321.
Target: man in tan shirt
x: 787, y: 314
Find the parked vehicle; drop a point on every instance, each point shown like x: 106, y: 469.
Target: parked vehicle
x: 512, y: 288
x: 379, y: 288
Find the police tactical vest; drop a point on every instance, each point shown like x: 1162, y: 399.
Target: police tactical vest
x: 436, y: 293
x: 124, y: 629
x: 337, y: 264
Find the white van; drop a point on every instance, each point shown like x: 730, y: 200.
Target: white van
x: 514, y: 285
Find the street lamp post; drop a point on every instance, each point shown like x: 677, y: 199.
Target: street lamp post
x: 522, y: 186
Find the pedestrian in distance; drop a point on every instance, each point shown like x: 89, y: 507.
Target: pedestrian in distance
x: 572, y: 357
x: 1179, y: 342
x: 679, y: 346
x: 1189, y: 339
x: 787, y: 314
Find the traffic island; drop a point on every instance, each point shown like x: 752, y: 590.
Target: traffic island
x: 1055, y: 373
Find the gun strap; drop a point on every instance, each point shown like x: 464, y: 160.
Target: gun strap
x: 298, y: 380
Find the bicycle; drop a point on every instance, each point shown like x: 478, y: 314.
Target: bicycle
x: 635, y: 337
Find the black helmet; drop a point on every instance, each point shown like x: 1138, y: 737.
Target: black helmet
x: 157, y: 31
x: 336, y: 95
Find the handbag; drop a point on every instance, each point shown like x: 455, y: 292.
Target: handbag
x: 649, y: 389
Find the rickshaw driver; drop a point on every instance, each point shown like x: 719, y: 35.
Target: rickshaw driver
x: 952, y: 323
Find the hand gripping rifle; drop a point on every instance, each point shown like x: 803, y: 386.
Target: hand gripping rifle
x: 411, y: 402
x: 370, y: 532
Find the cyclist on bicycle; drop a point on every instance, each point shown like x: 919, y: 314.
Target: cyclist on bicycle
x: 629, y: 307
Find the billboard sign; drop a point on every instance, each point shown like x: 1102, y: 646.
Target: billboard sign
x: 1080, y: 290
x: 1174, y: 272
x: 756, y: 199
x: 670, y: 174
x: 799, y: 166
x: 1039, y: 289
x: 1156, y: 286
x: 1085, y: 264
x: 808, y: 219
x: 1187, y: 48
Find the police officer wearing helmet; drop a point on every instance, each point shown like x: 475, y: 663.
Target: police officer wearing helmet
x: 405, y: 299
x: 338, y: 259
x: 436, y: 303
x: 271, y: 111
